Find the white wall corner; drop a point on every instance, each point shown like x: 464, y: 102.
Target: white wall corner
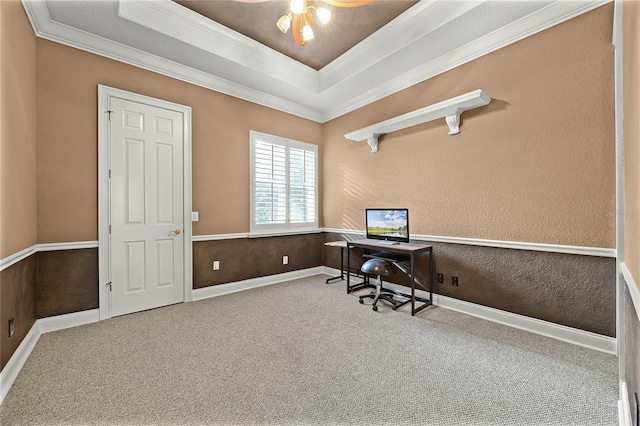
x: 624, y: 408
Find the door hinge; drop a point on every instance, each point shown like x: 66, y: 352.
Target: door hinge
x: 109, y: 228
x: 109, y: 173
x: 109, y: 113
x: 109, y: 284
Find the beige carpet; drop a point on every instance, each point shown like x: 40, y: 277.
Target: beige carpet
x: 306, y: 353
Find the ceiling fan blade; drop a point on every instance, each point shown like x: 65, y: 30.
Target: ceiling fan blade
x: 309, y: 17
x: 348, y: 3
x: 296, y: 29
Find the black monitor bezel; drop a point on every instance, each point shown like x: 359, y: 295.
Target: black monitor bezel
x: 385, y: 238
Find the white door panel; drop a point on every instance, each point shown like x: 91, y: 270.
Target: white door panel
x: 146, y: 208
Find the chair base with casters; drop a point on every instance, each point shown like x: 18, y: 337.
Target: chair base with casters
x: 381, y: 268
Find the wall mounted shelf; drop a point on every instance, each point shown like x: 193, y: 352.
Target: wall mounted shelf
x: 450, y: 109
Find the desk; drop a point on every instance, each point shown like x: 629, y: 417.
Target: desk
x: 342, y: 245
x: 407, y: 251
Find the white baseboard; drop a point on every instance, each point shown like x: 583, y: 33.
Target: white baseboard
x: 221, y: 289
x: 41, y: 326
x: 14, y: 365
x: 60, y: 322
x: 545, y: 328
x: 624, y: 409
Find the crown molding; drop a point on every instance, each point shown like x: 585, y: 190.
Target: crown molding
x: 361, y: 62
x: 423, y: 18
x: 553, y: 14
x: 180, y: 23
x: 48, y: 29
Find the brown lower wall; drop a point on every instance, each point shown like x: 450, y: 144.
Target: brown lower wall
x: 67, y: 281
x: 17, y: 301
x: 632, y: 354
x: 572, y: 290
x: 246, y: 258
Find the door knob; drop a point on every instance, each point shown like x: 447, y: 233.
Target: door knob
x: 177, y: 231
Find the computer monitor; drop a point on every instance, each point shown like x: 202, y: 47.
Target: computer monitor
x: 388, y: 224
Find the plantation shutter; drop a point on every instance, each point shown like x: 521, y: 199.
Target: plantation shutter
x: 302, y: 185
x: 284, y: 190
x: 270, y: 183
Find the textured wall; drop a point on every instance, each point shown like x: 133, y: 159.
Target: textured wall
x: 631, y: 71
x: 17, y: 301
x: 67, y: 142
x: 67, y: 281
x: 572, y: 290
x: 245, y: 258
x: 537, y: 164
x: 17, y: 130
x: 17, y: 173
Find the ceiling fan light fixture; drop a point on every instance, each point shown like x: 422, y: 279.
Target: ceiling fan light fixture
x: 284, y: 23
x: 323, y: 14
x: 297, y: 6
x: 307, y: 32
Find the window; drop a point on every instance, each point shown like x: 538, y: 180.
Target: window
x: 284, y: 185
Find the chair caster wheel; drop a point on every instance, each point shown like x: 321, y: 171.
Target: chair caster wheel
x: 375, y: 308
x: 361, y: 302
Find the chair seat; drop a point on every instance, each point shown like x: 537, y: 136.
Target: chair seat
x: 381, y: 268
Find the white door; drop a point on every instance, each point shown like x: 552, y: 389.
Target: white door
x: 146, y: 206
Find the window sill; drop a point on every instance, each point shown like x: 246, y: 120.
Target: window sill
x: 267, y: 233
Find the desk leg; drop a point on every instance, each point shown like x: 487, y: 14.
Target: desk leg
x: 413, y: 285
x: 431, y: 275
x: 348, y: 266
x: 425, y: 303
x: 341, y: 277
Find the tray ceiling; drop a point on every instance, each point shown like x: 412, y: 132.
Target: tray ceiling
x: 348, y: 26
x: 428, y: 38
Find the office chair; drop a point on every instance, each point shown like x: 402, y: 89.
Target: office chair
x: 381, y: 268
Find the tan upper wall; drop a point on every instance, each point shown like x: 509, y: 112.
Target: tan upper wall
x: 68, y: 154
x: 17, y: 130
x: 536, y: 165
x: 631, y: 71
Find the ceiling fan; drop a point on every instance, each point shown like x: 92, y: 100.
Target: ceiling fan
x: 300, y: 19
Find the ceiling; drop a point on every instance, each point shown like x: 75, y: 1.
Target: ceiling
x: 348, y: 26
x: 426, y: 39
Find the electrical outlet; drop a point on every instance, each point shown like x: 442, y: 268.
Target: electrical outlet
x: 440, y: 278
x: 216, y: 265
x: 12, y: 328
x: 285, y: 260
x: 454, y: 281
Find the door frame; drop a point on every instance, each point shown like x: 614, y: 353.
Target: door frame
x: 105, y: 93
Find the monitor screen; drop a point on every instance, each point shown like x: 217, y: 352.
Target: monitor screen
x: 388, y: 224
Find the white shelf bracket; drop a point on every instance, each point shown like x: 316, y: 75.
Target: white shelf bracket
x: 453, y: 121
x: 450, y: 109
x: 373, y: 143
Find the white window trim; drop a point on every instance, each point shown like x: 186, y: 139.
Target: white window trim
x: 287, y: 228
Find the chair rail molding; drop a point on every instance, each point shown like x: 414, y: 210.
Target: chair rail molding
x: 450, y: 109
